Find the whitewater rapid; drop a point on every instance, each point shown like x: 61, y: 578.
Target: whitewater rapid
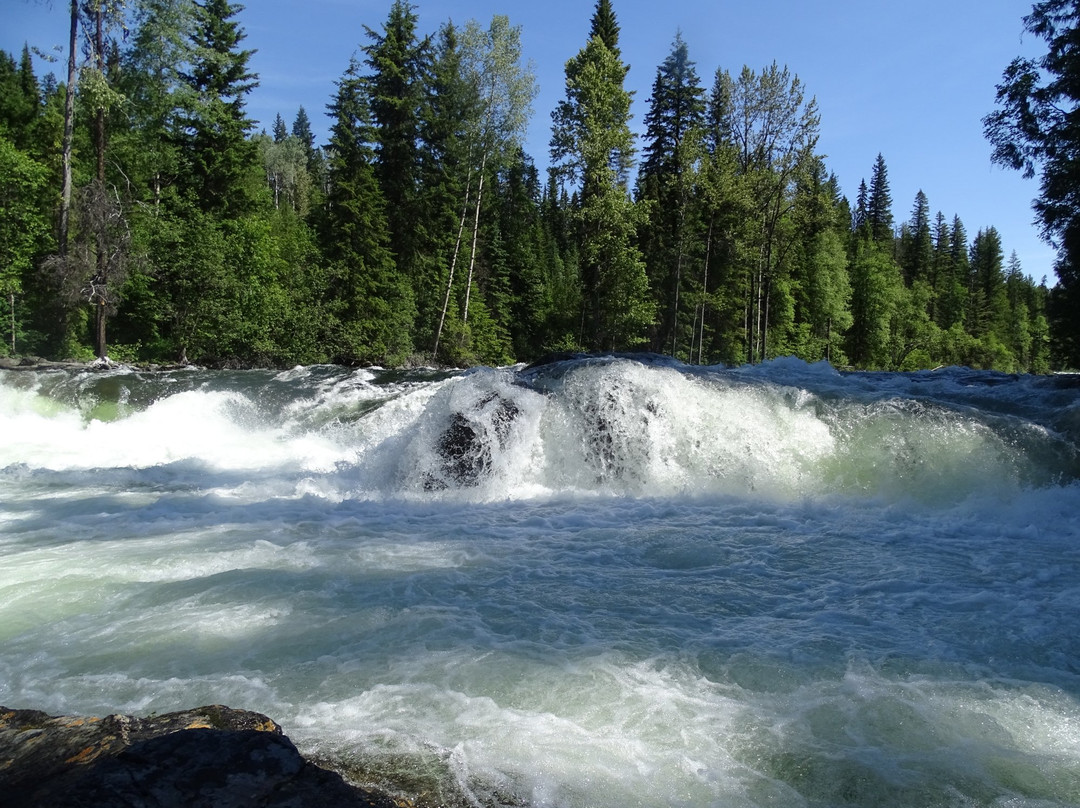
x: 600, y: 581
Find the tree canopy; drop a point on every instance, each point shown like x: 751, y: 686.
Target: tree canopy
x: 422, y: 231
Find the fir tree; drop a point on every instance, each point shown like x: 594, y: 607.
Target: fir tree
x: 370, y: 302
x: 879, y: 214
x: 396, y: 59
x: 592, y: 145
x: 674, y: 130
x: 214, y: 127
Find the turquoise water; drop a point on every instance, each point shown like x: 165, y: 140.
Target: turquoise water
x: 605, y: 582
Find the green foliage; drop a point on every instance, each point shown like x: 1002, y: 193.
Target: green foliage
x: 592, y: 144
x: 219, y: 161
x: 424, y: 223
x: 1034, y: 130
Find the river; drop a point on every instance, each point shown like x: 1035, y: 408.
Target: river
x: 613, y: 581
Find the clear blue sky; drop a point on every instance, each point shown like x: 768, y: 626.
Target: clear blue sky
x: 909, y: 80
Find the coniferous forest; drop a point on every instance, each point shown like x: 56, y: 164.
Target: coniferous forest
x: 142, y: 216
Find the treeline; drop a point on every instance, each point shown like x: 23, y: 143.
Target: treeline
x: 423, y: 232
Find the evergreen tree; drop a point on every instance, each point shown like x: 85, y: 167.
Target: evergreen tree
x: 301, y: 130
x: 20, y: 100
x: 860, y: 222
x: 987, y: 313
x: 1035, y: 130
x: 917, y: 250
x: 605, y: 26
x: 213, y: 125
x: 397, y: 60
x: 674, y: 130
x: 150, y: 81
x: 369, y: 301
x: 879, y: 214
x: 279, y: 131
x: 24, y: 225
x: 876, y: 288
x: 450, y: 115
x: 592, y: 145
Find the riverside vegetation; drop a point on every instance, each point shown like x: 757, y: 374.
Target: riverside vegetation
x: 143, y: 217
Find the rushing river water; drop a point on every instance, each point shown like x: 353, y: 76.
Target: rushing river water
x: 600, y: 582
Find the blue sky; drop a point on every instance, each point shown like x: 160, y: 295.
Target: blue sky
x: 909, y: 80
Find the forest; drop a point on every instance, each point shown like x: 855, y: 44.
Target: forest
x: 143, y: 218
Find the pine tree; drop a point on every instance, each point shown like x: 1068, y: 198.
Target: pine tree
x: 279, y: 131
x: 592, y: 145
x: 397, y: 59
x: 879, y: 205
x: 370, y: 302
x: 213, y: 126
x: 674, y: 130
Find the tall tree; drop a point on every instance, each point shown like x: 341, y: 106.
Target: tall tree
x: 674, y: 128
x: 592, y: 147
x: 1036, y: 129
x: 605, y: 26
x: 879, y: 213
x: 917, y: 249
x: 396, y: 59
x: 69, y: 132
x: 23, y: 224
x: 503, y: 88
x: 987, y: 303
x: 370, y: 302
x: 773, y: 130
x: 214, y: 125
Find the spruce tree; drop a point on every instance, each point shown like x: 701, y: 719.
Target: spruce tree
x: 605, y: 26
x: 369, y: 302
x: 592, y: 147
x: 213, y: 125
x: 879, y: 213
x: 279, y: 131
x: 674, y: 131
x: 918, y: 251
x: 396, y: 60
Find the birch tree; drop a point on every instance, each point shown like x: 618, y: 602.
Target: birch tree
x: 504, y: 88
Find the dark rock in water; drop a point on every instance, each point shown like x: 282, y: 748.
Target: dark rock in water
x: 465, y: 446
x: 211, y: 756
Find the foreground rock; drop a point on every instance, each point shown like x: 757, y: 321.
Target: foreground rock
x: 210, y: 756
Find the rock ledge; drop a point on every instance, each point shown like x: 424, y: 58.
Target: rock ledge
x: 210, y: 756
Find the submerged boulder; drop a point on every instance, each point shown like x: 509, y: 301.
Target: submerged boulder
x: 211, y: 756
x: 465, y: 448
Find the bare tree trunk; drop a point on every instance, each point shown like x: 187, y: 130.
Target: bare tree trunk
x: 453, y: 265
x: 99, y: 120
x: 704, y: 292
x: 476, y: 230
x: 99, y: 138
x: 69, y: 130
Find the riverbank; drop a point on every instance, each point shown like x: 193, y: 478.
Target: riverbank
x: 210, y: 756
